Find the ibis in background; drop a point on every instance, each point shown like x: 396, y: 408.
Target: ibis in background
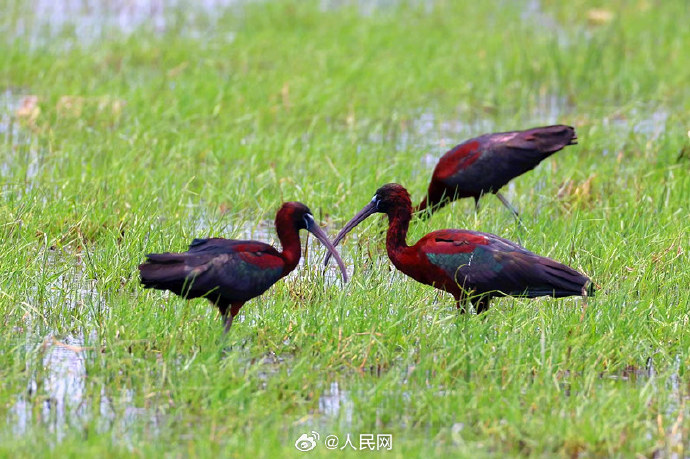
x: 470, y: 265
x: 230, y: 272
x: 485, y: 164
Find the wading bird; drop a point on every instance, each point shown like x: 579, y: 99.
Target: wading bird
x: 230, y: 272
x: 469, y: 265
x: 485, y: 164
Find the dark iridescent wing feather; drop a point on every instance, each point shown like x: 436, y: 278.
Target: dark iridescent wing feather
x: 487, y: 163
x: 486, y: 263
x: 221, y: 245
x: 235, y: 270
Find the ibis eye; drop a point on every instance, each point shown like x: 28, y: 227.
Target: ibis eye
x: 308, y: 220
x: 376, y: 200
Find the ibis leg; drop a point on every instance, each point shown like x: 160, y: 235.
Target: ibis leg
x: 230, y: 315
x: 228, y: 312
x: 508, y: 205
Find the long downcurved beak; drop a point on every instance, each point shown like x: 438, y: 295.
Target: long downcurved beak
x: 356, y: 220
x: 323, y: 238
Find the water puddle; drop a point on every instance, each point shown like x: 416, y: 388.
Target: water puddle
x: 10, y: 101
x: 646, y: 121
x: 427, y: 131
x: 335, y: 402
x: 83, y: 22
x: 17, y: 107
x: 270, y: 364
x: 56, y: 391
x: 368, y: 8
x: 61, y: 387
x: 21, y: 159
x: 58, y: 395
x: 642, y: 376
x: 534, y: 15
x: 65, y: 290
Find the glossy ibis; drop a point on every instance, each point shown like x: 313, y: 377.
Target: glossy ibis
x: 485, y: 164
x: 469, y: 265
x: 230, y: 272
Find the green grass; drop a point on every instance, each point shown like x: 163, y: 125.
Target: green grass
x: 141, y: 141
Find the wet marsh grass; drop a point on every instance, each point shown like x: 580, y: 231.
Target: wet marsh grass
x: 139, y: 142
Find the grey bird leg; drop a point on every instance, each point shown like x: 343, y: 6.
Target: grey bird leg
x: 514, y: 211
x: 508, y: 205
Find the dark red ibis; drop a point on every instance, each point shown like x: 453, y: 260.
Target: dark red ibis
x: 230, y: 272
x: 469, y: 265
x: 485, y: 164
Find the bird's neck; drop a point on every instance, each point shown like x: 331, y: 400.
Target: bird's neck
x: 398, y: 224
x: 292, y: 249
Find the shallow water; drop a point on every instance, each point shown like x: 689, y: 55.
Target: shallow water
x: 335, y: 402
x: 533, y: 14
x: 369, y: 7
x: 84, y: 22
x: 20, y: 158
x: 648, y: 121
x: 16, y: 105
x: 61, y: 378
x: 59, y: 396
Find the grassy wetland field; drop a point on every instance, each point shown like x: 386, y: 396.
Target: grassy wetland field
x: 133, y: 127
